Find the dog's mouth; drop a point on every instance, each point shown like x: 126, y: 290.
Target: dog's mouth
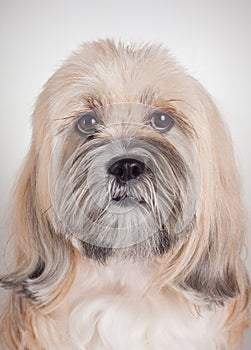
x: 128, y: 200
x: 124, y: 198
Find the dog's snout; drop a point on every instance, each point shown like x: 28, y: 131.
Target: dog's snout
x: 127, y: 169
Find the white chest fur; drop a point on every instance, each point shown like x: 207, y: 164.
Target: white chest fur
x: 108, y: 308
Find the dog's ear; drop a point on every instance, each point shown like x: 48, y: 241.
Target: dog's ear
x: 23, y: 223
x: 40, y: 254
x: 207, y: 263
x: 217, y: 270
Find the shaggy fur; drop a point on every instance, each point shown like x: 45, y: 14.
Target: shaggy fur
x: 150, y: 263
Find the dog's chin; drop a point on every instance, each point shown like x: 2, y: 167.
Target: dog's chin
x: 156, y: 241
x: 155, y: 246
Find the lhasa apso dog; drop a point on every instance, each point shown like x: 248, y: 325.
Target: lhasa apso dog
x: 128, y: 220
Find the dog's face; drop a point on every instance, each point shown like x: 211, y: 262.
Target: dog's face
x: 125, y: 179
x: 129, y: 159
x: 124, y: 173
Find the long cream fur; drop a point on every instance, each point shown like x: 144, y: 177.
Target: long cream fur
x: 196, y: 294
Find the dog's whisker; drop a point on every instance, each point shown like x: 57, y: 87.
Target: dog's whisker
x: 44, y: 212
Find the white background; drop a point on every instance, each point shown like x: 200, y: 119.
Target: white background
x: 211, y: 38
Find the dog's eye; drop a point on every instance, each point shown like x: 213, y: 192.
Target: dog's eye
x: 161, y: 121
x: 87, y: 124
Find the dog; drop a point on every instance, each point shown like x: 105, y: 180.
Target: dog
x: 128, y: 221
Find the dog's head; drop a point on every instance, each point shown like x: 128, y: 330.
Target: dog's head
x: 129, y: 160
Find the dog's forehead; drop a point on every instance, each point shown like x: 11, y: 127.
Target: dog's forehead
x: 118, y: 100
x: 119, y: 97
x: 118, y: 81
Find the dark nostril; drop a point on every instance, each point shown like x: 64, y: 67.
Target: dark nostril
x: 127, y: 169
x: 135, y: 170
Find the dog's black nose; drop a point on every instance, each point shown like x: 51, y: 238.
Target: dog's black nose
x: 127, y: 169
